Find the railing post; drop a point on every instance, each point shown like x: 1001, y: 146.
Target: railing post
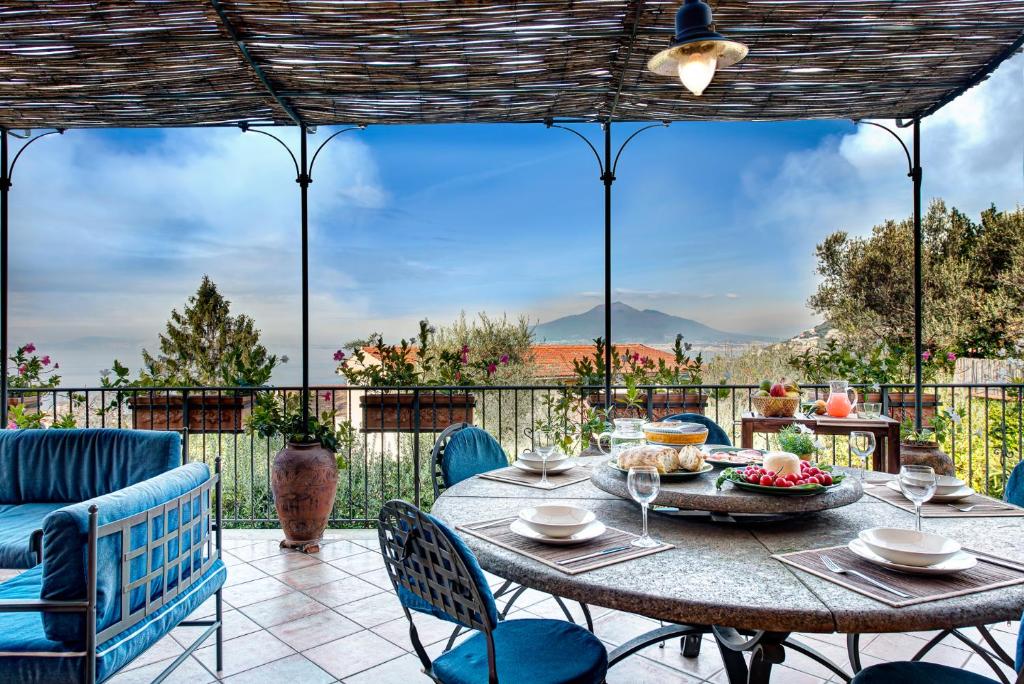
x: 5, y: 187
x: 184, y: 426
x: 415, y: 446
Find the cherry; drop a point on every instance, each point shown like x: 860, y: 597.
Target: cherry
x: 826, y: 479
x: 765, y: 481
x: 783, y: 483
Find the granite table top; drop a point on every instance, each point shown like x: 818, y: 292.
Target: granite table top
x: 724, y: 573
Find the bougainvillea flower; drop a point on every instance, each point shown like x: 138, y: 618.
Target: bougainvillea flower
x: 504, y: 359
x: 22, y: 369
x: 339, y: 355
x: 29, y: 348
x: 327, y: 396
x: 45, y: 360
x: 492, y: 368
x: 951, y: 356
x: 926, y: 355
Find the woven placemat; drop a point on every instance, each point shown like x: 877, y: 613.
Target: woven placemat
x: 990, y: 573
x: 614, y: 546
x: 518, y: 476
x: 987, y: 506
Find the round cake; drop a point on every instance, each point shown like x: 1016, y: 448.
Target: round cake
x: 675, y: 433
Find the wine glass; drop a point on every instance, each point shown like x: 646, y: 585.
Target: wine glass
x: 917, y: 482
x: 643, y: 483
x: 862, y: 443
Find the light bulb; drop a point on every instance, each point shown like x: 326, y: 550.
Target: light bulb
x: 697, y: 69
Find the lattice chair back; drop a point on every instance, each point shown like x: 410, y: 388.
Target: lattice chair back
x: 432, y: 569
x: 463, y: 451
x: 716, y: 435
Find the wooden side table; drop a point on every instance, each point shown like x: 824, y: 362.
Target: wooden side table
x: 886, y: 430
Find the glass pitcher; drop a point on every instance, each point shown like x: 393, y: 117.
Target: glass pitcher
x: 628, y: 432
x: 841, y: 399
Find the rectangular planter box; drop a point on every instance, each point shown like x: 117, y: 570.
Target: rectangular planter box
x: 662, y: 405
x: 29, y: 401
x: 210, y: 413
x: 901, y: 405
x: 396, y: 412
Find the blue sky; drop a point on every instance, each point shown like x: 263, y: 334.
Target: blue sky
x: 111, y: 229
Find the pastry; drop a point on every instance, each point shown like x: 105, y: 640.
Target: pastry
x: 665, y: 459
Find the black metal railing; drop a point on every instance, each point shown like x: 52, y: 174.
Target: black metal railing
x: 396, y: 428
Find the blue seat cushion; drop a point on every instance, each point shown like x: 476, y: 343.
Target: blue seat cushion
x: 65, y: 538
x: 41, y: 466
x: 917, y: 673
x: 17, y: 525
x: 528, y: 652
x: 1014, y: 492
x: 27, y: 656
x: 716, y: 435
x: 469, y: 452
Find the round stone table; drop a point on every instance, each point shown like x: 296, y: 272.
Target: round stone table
x: 722, y: 577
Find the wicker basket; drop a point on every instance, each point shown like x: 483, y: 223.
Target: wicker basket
x: 776, y: 407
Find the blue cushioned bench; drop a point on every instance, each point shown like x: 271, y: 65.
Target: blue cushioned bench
x: 119, y: 572
x: 44, y: 470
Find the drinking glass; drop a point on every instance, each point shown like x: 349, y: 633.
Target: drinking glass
x: 917, y: 482
x: 545, y: 453
x: 870, y: 410
x: 644, y: 483
x: 863, y: 444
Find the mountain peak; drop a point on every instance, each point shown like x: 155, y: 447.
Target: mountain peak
x: 648, y: 326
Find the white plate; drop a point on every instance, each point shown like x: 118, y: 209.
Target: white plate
x: 552, y: 469
x: 959, y: 562
x: 909, y: 547
x: 937, y: 498
x: 591, y: 531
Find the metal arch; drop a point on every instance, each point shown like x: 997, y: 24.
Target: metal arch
x: 309, y: 172
x: 249, y: 129
x: 8, y: 179
x: 615, y: 164
x: 597, y: 155
x: 906, y: 150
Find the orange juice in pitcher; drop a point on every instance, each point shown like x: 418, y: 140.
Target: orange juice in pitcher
x: 839, y: 403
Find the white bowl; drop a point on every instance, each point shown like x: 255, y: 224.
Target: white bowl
x: 909, y: 547
x: 534, y: 462
x: 557, y: 520
x: 947, y: 484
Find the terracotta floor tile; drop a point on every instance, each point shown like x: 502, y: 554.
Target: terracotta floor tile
x: 314, y: 630
x: 282, y: 609
x: 353, y: 654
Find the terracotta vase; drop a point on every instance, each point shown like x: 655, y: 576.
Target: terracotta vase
x: 916, y: 453
x: 304, y: 480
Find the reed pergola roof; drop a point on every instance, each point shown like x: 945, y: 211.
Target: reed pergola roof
x: 92, y: 63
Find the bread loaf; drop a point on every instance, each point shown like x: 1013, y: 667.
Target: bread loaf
x: 665, y: 459
x: 691, y: 458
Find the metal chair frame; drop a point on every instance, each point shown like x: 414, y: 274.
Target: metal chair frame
x: 204, y: 539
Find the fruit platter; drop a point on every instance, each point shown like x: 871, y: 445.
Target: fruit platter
x: 781, y: 476
x: 721, y: 455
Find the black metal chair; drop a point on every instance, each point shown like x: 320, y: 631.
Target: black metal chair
x: 442, y: 480
x: 435, y: 573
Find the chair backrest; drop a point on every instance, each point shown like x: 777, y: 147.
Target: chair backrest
x: 68, y: 466
x: 716, y: 435
x: 463, y: 451
x: 432, y: 569
x: 1014, y: 491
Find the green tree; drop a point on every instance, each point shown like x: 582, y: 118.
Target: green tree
x: 489, y: 337
x: 973, y: 300
x: 205, y: 345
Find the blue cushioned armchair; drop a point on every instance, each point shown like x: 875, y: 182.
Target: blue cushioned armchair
x: 119, y: 572
x: 44, y: 470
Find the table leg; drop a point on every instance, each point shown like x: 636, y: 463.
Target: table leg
x: 766, y: 649
x: 892, y: 443
x: 747, y: 434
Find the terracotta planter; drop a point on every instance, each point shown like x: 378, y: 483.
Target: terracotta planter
x: 209, y: 413
x: 396, y: 412
x: 29, y: 401
x: 916, y: 453
x: 901, y: 405
x: 304, y: 480
x: 662, y: 405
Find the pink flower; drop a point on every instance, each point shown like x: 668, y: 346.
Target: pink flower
x: 458, y: 376
x: 465, y: 354
x: 504, y: 359
x: 492, y: 368
x: 327, y: 396
x: 644, y: 360
x: 46, y: 360
x: 12, y: 425
x: 56, y: 366
x: 925, y: 355
x: 22, y: 369
x: 951, y: 356
x: 636, y: 356
x: 29, y: 348
x: 339, y: 355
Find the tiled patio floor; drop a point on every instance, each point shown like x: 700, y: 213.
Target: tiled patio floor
x: 334, y: 617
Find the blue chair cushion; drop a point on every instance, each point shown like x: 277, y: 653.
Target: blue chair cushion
x: 27, y: 656
x: 469, y: 452
x: 1020, y: 647
x: 1014, y: 492
x: 528, y: 652
x: 415, y: 602
x: 65, y: 537
x: 917, y: 673
x: 17, y: 525
x: 67, y: 466
x: 716, y: 435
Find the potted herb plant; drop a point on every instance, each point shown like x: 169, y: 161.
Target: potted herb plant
x: 31, y: 372
x: 883, y: 365
x: 798, y: 439
x: 414, y: 364
x: 304, y: 475
x: 923, y: 447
